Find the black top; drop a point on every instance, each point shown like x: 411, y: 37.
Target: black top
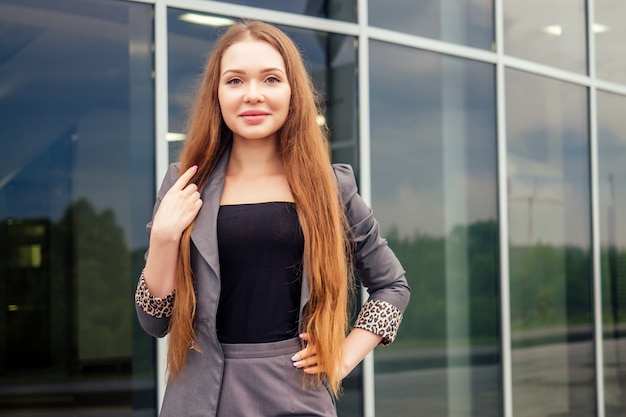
x: 260, y: 248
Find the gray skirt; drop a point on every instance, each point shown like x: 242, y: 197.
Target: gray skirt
x: 260, y: 381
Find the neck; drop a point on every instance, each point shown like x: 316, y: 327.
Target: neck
x: 254, y: 157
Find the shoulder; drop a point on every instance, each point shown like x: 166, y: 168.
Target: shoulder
x: 343, y: 171
x: 172, y: 174
x: 345, y: 180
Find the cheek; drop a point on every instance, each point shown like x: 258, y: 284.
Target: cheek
x: 223, y: 98
x: 225, y: 105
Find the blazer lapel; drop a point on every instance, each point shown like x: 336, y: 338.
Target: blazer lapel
x: 204, y: 233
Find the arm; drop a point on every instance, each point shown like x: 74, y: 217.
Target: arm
x: 178, y: 203
x: 178, y: 208
x: 375, y: 263
x: 380, y: 272
x: 356, y: 347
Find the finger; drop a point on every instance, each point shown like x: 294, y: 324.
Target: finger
x: 300, y: 354
x: 182, y: 181
x: 312, y: 370
x: 196, y: 202
x: 189, y: 192
x: 306, y: 363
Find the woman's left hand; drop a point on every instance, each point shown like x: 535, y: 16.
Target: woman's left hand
x: 306, y: 359
x: 356, y: 346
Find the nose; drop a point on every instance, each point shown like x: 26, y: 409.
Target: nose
x: 253, y: 94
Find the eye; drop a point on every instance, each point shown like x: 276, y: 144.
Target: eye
x: 271, y: 79
x: 234, y: 81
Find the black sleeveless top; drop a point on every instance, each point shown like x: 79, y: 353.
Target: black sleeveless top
x: 260, y: 250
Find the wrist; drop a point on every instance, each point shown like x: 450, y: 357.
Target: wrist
x: 346, y: 367
x: 164, y: 237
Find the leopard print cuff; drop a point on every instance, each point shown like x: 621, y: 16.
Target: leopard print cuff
x: 153, y: 306
x: 381, y: 318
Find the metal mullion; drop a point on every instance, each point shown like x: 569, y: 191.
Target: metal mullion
x: 365, y: 180
x: 503, y: 215
x: 428, y: 44
x: 610, y: 87
x: 161, y: 149
x: 595, y: 213
x: 546, y: 70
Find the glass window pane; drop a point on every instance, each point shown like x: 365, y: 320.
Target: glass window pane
x: 467, y: 23
x: 549, y: 32
x: 549, y: 247
x: 76, y: 188
x: 610, y: 33
x: 331, y: 60
x: 612, y: 180
x: 433, y: 158
x: 333, y: 9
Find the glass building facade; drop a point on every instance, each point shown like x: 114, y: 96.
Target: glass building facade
x: 488, y: 136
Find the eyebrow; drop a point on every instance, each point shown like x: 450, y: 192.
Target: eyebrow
x: 263, y: 71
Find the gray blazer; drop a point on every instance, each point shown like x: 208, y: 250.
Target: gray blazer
x: 195, y: 391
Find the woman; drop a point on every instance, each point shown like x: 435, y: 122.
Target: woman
x: 253, y: 242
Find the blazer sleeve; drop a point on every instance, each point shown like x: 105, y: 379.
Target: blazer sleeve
x: 375, y: 264
x: 153, y: 312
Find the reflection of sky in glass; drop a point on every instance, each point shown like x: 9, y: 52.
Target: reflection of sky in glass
x: 548, y: 180
x: 433, y: 159
x: 548, y: 161
x: 549, y: 32
x: 610, y: 34
x: 417, y: 99
x: 75, y: 106
x: 467, y: 22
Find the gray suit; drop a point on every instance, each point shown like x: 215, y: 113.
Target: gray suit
x: 196, y: 391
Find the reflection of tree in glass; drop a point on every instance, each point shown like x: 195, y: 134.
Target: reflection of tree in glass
x: 101, y: 270
x: 423, y: 257
x: 550, y: 285
x: 613, y: 264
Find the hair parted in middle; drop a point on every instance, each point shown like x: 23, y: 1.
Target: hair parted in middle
x: 303, y: 148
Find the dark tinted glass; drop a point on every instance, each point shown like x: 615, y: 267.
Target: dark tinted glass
x: 433, y: 157
x: 76, y: 188
x: 550, y: 247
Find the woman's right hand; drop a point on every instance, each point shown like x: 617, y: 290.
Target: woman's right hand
x: 178, y: 208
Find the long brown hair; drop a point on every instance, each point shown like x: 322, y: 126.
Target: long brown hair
x: 303, y: 148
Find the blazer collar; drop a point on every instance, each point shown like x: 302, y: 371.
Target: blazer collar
x: 204, y: 233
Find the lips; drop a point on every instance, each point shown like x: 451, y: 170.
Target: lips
x: 254, y: 116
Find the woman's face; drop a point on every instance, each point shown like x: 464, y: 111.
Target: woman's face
x: 253, y: 90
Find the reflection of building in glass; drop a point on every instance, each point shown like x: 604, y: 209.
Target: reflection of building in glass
x: 487, y: 136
